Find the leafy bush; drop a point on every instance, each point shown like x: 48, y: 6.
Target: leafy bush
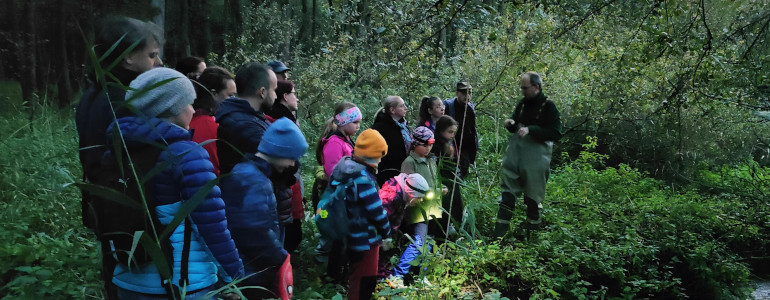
x: 46, y: 251
x: 611, y: 233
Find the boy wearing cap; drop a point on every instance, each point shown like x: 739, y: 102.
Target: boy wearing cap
x: 251, y: 205
x: 368, y: 219
x: 463, y: 111
x: 163, y: 114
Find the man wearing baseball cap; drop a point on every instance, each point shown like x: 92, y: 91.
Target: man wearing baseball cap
x: 463, y: 111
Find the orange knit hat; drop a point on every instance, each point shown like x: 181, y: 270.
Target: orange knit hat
x: 370, y: 144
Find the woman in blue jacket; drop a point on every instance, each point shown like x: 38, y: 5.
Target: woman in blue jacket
x: 162, y: 117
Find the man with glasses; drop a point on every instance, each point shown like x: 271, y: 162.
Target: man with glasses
x: 463, y: 111
x: 535, y: 125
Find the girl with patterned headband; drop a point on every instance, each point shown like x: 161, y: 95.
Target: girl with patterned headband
x: 334, y: 144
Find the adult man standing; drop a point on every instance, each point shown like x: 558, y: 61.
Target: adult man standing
x: 242, y: 120
x: 280, y: 69
x: 463, y: 111
x: 535, y: 125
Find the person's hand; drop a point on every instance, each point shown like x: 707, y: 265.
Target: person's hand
x: 523, y: 131
x: 414, y: 201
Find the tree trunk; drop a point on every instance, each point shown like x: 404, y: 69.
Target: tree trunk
x: 202, y: 32
x: 313, y: 21
x: 13, y: 42
x: 363, y: 17
x: 64, y: 85
x: 26, y: 52
x: 184, y: 25
x: 303, y: 34
x: 160, y: 19
x: 236, y: 21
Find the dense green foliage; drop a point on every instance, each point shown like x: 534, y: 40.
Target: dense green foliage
x: 668, y: 197
x: 46, y: 252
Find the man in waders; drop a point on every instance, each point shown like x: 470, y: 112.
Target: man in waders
x: 535, y: 125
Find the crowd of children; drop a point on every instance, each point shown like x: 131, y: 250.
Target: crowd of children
x: 246, y: 225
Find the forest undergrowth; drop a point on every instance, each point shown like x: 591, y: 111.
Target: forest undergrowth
x: 611, y: 232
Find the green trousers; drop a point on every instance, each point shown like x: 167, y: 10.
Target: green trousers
x: 526, y: 167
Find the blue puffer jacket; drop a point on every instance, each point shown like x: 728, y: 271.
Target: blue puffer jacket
x: 253, y: 219
x: 212, y: 250
x: 240, y: 126
x: 368, y: 219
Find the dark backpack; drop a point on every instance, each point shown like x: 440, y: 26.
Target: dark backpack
x: 332, y: 219
x: 119, y: 218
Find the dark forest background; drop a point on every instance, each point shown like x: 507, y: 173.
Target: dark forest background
x: 660, y: 186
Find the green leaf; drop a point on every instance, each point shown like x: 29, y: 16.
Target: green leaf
x: 189, y: 205
x: 108, y: 194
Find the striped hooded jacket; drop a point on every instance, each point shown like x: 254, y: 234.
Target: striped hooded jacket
x: 368, y: 219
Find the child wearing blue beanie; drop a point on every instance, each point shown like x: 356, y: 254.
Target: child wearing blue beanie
x: 250, y: 205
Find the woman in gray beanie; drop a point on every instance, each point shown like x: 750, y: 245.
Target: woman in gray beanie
x: 161, y: 100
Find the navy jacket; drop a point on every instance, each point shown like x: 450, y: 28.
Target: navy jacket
x: 211, y: 249
x: 251, y: 210
x: 241, y: 126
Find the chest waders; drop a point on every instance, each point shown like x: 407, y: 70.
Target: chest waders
x: 525, y: 169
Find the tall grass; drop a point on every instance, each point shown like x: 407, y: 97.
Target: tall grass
x: 45, y: 252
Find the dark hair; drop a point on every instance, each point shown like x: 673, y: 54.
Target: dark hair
x: 329, y: 128
x: 212, y: 80
x: 250, y: 77
x: 426, y: 104
x: 444, y: 123
x: 188, y: 65
x: 442, y: 146
x: 284, y: 87
x: 127, y: 34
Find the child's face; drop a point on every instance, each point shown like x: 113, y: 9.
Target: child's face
x: 282, y: 164
x: 449, y: 133
x: 422, y: 151
x: 351, y: 129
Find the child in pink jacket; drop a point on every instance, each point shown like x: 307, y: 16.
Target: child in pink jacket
x: 335, y: 143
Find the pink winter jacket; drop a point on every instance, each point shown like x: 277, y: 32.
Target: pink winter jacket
x: 334, y: 150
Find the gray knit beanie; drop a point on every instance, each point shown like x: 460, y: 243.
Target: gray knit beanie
x: 152, y: 98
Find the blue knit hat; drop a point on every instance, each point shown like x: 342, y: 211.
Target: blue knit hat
x: 152, y: 99
x: 283, y: 139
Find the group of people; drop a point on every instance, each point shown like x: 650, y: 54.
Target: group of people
x: 235, y: 139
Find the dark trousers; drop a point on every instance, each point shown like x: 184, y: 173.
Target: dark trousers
x: 293, y: 235
x: 108, y: 267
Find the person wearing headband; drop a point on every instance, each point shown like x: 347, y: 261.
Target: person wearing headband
x: 336, y: 142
